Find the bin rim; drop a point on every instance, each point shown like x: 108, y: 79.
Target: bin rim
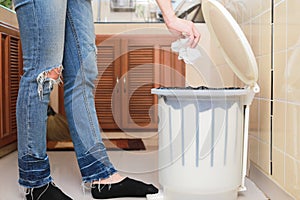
x: 203, y: 93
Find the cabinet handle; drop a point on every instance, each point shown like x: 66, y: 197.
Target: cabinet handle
x: 124, y: 84
x: 117, y: 84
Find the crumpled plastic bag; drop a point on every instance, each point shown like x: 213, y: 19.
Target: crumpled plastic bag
x: 187, y: 54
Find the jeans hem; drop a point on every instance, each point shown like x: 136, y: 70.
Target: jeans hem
x: 35, y: 184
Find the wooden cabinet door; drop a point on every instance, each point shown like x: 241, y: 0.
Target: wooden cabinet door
x: 138, y: 73
x: 147, y: 63
x: 171, y: 71
x: 10, y: 73
x: 107, y: 91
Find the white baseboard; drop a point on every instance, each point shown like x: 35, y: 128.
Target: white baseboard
x: 268, y: 186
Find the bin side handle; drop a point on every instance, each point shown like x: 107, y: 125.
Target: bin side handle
x: 245, y: 148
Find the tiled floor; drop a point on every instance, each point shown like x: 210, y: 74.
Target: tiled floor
x: 140, y: 164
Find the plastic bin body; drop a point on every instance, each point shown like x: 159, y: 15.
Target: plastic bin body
x: 201, y: 143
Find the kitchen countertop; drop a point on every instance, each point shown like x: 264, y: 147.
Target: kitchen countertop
x: 137, y: 28
x: 8, y: 17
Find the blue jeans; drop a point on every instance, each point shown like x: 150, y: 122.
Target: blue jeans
x: 58, y: 34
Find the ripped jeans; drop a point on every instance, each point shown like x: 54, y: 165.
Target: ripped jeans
x: 58, y: 34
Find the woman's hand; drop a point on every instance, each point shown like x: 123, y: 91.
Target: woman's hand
x: 183, y: 28
x: 177, y: 26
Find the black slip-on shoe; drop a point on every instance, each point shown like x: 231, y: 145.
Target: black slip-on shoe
x: 126, y: 188
x: 46, y: 192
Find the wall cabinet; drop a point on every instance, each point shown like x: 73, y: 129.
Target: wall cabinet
x: 129, y: 67
x: 10, y: 73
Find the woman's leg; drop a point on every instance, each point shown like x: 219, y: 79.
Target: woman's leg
x: 41, y: 24
x: 42, y: 30
x: 80, y: 72
x: 79, y: 76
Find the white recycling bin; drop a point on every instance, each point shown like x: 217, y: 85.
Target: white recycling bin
x: 203, y: 132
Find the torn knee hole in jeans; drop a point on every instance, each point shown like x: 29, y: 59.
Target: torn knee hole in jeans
x: 53, y: 76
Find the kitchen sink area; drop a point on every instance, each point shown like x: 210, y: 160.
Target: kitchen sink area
x: 136, y: 11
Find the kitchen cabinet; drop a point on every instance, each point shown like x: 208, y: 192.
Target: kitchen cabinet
x: 129, y: 66
x: 10, y: 73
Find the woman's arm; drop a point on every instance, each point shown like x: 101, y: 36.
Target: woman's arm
x: 177, y: 26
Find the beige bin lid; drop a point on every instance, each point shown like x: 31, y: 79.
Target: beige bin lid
x: 232, y: 42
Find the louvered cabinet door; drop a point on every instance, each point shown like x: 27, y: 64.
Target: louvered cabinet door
x: 138, y: 73
x: 171, y: 71
x: 147, y: 62
x: 10, y: 71
x: 107, y: 91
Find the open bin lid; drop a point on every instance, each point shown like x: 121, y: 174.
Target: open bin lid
x: 232, y: 42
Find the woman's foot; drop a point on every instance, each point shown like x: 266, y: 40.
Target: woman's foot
x: 115, y: 178
x: 46, y: 192
x: 127, y: 187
